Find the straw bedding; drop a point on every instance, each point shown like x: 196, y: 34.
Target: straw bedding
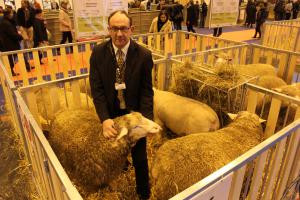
x: 15, y: 176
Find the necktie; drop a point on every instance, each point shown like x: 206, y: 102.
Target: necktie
x: 120, y: 73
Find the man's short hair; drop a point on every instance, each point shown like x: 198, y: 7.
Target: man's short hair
x: 120, y: 12
x: 6, y: 12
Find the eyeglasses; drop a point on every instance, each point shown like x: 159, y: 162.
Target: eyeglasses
x: 115, y: 29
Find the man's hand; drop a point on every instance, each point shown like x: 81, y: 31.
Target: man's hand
x: 108, y: 129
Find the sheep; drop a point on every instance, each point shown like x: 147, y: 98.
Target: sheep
x: 182, y: 115
x: 291, y: 90
x: 181, y: 162
x: 91, y: 160
x: 268, y: 82
x: 257, y: 69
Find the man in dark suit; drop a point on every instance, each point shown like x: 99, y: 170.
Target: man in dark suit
x: 121, y: 81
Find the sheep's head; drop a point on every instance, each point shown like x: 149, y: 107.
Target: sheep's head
x: 223, y: 58
x: 135, y: 126
x: 246, y: 115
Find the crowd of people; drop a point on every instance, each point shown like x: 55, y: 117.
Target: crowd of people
x: 26, y: 28
x: 286, y: 10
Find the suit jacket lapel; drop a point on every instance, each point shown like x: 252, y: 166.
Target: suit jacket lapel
x: 130, y: 60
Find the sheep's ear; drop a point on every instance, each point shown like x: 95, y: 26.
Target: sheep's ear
x: 261, y: 120
x: 232, y: 116
x: 123, y: 132
x: 277, y: 89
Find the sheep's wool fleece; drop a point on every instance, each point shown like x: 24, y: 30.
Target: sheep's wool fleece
x: 77, y: 140
x: 257, y: 69
x: 181, y: 162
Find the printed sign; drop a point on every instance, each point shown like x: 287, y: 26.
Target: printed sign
x: 90, y: 16
x: 223, y: 13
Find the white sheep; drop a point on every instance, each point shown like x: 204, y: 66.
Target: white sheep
x: 292, y: 90
x: 90, y: 159
x: 255, y: 69
x: 183, y: 115
x: 181, y: 162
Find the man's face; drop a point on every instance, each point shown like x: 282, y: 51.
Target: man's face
x: 23, y: 4
x: 120, y: 30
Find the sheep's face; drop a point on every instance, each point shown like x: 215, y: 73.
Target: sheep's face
x: 134, y: 126
x: 222, y: 59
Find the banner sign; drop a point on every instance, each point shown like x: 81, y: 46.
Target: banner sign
x: 223, y: 13
x: 90, y: 16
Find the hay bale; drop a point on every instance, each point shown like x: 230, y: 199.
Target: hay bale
x: 77, y: 139
x: 183, y: 115
x: 181, y: 162
x: 183, y: 82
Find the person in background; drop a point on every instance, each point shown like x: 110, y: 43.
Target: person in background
x: 1, y: 12
x: 10, y: 38
x: 54, y: 5
x: 145, y: 5
x: 279, y: 10
x: 25, y: 18
x: 177, y: 15
x: 250, y: 14
x: 203, y: 14
x: 197, y: 10
x: 218, y: 31
x: 261, y: 17
x: 161, y: 4
x: 191, y: 16
x: 65, y: 24
x: 40, y: 37
x: 36, y: 5
x: 161, y: 23
x: 288, y: 10
x: 121, y: 82
x: 296, y: 8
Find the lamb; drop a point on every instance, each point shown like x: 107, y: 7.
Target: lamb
x: 181, y: 162
x: 182, y: 115
x: 91, y: 160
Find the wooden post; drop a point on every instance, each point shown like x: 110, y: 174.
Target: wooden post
x: 22, y: 68
x: 51, y: 67
x: 37, y: 66
x: 272, y: 117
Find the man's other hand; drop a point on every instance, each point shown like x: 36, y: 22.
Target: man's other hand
x: 108, y: 129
